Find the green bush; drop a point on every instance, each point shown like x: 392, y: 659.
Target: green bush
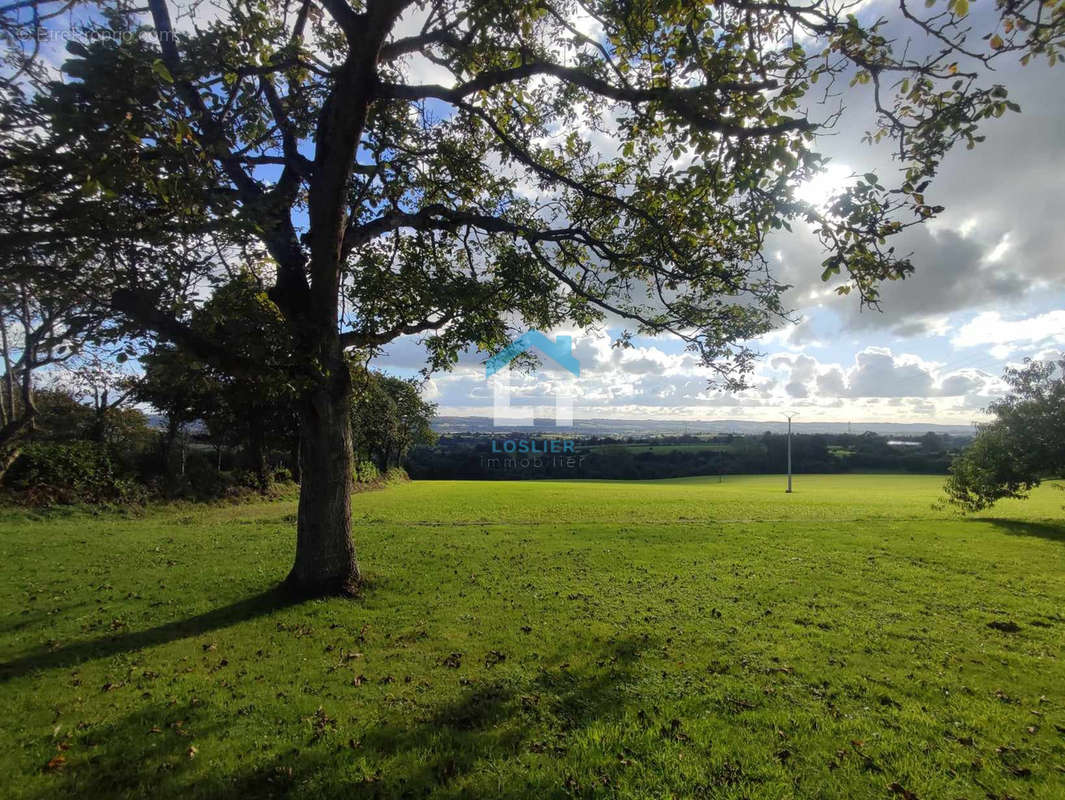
x: 70, y: 472
x: 365, y: 470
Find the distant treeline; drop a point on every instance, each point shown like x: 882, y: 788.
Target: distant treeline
x: 81, y: 438
x: 216, y: 440
x: 480, y: 456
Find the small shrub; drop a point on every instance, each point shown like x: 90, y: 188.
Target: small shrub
x: 366, y: 471
x: 72, y: 472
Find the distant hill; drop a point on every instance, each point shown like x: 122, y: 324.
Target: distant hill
x: 661, y: 427
x: 654, y: 427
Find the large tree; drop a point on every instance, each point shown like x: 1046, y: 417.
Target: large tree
x: 388, y: 417
x: 464, y: 168
x: 41, y: 326
x: 252, y: 406
x: 1024, y: 445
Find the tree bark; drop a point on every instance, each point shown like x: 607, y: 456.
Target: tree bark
x: 7, y: 391
x: 168, y: 448
x: 294, y: 457
x: 257, y: 450
x: 325, y: 553
x: 11, y: 438
x: 99, y: 418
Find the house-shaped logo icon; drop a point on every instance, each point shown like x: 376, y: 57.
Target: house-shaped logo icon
x: 560, y: 350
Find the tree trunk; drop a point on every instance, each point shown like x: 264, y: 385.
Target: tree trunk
x: 11, y: 438
x: 14, y: 432
x: 325, y: 553
x: 257, y: 451
x: 294, y: 458
x: 168, y: 448
x: 98, y: 433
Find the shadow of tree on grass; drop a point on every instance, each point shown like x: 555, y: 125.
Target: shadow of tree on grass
x: 1054, y: 531
x: 503, y: 738
x: 43, y: 657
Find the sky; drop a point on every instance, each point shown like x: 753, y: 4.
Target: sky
x: 988, y: 291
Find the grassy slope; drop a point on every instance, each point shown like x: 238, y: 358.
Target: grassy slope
x: 681, y: 638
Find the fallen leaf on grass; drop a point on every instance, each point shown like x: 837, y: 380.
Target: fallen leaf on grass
x: 898, y: 788
x: 674, y: 732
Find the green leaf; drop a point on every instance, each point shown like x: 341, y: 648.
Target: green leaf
x: 160, y: 70
x: 77, y: 48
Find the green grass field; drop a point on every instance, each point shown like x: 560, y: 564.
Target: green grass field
x: 682, y: 638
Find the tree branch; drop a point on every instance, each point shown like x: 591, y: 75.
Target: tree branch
x: 439, y: 217
x: 680, y: 101
x: 358, y: 339
x: 213, y: 132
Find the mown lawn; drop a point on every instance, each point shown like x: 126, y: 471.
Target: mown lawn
x: 680, y: 639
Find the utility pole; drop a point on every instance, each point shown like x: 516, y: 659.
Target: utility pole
x: 789, y: 451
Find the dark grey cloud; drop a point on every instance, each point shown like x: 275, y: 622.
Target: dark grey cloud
x: 1005, y: 193
x: 960, y: 384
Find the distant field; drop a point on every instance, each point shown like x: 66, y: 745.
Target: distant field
x: 683, y: 638
x: 686, y: 447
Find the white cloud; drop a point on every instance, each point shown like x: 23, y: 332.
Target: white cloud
x: 878, y: 373
x: 990, y: 327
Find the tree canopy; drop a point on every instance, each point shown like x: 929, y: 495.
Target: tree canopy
x: 1022, y: 447
x: 545, y: 173
x: 388, y: 417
